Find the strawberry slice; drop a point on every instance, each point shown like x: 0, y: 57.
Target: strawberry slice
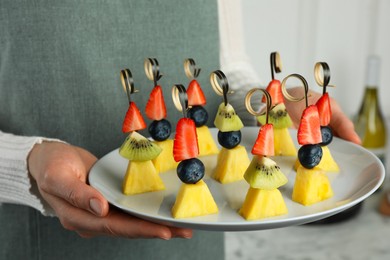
x: 195, y: 94
x: 133, y: 120
x: 155, y: 107
x: 185, y: 144
x: 324, y: 110
x: 309, y: 130
x: 275, y: 90
x: 264, y: 144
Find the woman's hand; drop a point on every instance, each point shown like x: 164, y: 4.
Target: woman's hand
x: 341, y: 125
x: 61, y: 171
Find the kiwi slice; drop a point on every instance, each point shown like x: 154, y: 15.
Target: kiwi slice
x: 226, y: 119
x: 136, y: 147
x: 264, y: 173
x: 278, y: 116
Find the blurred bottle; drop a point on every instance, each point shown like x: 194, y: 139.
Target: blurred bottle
x: 369, y: 122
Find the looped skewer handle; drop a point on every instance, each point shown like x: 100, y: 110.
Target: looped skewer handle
x: 128, y: 83
x: 152, y: 70
x: 322, y: 75
x: 180, y: 98
x: 220, y: 84
x: 249, y: 107
x: 276, y: 64
x: 190, y: 69
x: 290, y: 97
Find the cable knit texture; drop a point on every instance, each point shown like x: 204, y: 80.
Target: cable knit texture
x: 16, y: 184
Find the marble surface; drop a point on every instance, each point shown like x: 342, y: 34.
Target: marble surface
x: 365, y: 237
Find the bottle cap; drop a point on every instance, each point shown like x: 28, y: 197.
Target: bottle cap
x: 373, y: 68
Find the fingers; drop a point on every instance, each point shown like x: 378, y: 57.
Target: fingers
x: 122, y: 225
x: 343, y: 127
x: 116, y: 223
x: 181, y: 232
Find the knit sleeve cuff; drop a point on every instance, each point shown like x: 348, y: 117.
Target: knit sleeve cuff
x: 16, y: 184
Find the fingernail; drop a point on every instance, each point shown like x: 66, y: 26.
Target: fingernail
x: 96, y: 206
x: 187, y: 236
x: 184, y: 234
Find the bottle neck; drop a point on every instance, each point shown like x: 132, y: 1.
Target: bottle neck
x: 372, y: 87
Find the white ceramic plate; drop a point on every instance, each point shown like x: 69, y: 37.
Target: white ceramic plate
x: 361, y: 173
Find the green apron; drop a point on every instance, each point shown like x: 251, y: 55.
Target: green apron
x: 59, y: 77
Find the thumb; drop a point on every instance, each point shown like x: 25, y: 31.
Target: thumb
x: 344, y: 129
x: 97, y: 203
x: 342, y: 126
x: 86, y: 197
x: 83, y: 196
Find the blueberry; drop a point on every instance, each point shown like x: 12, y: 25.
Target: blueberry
x: 310, y: 155
x: 230, y: 139
x: 160, y: 130
x: 327, y: 135
x: 190, y: 171
x: 199, y: 115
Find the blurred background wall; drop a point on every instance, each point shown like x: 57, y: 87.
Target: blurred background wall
x: 341, y: 33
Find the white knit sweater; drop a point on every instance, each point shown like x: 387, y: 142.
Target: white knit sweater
x: 16, y: 185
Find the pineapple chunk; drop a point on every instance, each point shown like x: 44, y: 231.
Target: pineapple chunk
x: 311, y: 186
x: 194, y: 200
x: 231, y: 164
x: 141, y: 176
x: 164, y: 161
x: 206, y: 142
x: 263, y: 204
x: 283, y: 143
x: 327, y: 162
